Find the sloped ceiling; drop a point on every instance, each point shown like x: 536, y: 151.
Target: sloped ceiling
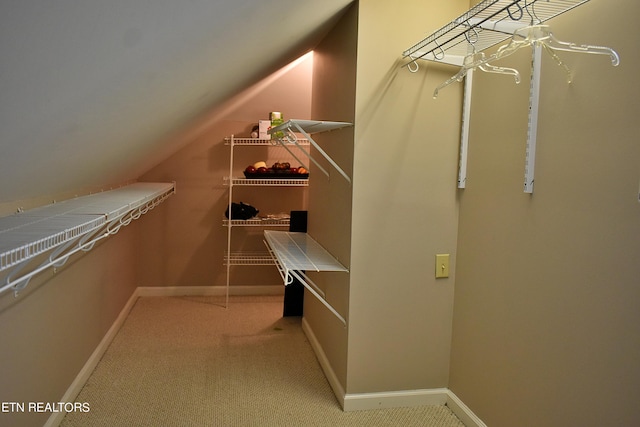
x: 91, y: 89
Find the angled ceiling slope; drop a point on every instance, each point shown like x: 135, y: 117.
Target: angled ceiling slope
x: 91, y: 88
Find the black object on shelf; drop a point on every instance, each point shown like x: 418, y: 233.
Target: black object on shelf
x: 294, y: 292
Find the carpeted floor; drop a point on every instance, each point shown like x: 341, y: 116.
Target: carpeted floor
x: 188, y: 361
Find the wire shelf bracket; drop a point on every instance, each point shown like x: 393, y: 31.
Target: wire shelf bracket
x: 285, y: 135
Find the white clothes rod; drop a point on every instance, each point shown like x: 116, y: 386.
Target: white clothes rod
x: 462, y: 41
x: 69, y: 226
x: 486, y: 24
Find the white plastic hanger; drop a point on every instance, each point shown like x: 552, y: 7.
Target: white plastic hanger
x: 477, y: 60
x: 542, y: 35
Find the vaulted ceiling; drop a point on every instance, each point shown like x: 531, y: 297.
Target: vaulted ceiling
x: 91, y: 90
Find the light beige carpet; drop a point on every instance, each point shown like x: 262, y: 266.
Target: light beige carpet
x: 188, y: 361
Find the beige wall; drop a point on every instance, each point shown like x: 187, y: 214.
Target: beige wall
x: 330, y: 198
x: 184, y: 244
x: 545, y: 318
x: 546, y: 321
x: 401, y: 207
x: 404, y: 204
x: 50, y: 330
x: 56, y: 323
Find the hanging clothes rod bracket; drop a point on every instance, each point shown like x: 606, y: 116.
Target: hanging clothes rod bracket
x: 487, y: 24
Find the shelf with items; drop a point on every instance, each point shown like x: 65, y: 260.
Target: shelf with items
x: 257, y: 222
x: 272, y: 189
x: 287, y: 137
x: 296, y: 252
x: 258, y: 141
x: 264, y: 182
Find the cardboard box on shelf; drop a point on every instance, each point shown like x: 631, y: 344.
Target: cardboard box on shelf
x: 263, y: 127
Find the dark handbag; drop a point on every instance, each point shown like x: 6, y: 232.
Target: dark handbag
x: 241, y: 211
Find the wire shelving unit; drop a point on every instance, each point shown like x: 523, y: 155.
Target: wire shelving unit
x: 462, y: 41
x: 67, y: 227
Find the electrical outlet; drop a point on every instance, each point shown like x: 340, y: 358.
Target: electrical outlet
x: 442, y: 265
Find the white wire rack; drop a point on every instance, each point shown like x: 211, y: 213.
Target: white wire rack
x: 462, y: 41
x: 299, y: 251
x: 263, y: 142
x: 295, y: 149
x: 248, y: 258
x: 24, y: 240
x: 256, y: 257
x: 66, y: 227
x: 470, y: 29
x: 258, y: 222
x: 268, y: 182
x: 294, y: 253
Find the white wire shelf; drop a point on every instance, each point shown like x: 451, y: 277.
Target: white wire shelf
x: 481, y: 27
x: 308, y: 126
x: 257, y: 222
x: 276, y: 182
x: 285, y: 134
x: 259, y: 142
x: 26, y: 236
x: 463, y: 40
x: 80, y: 222
x: 295, y: 253
x: 299, y: 251
x: 248, y: 258
x: 270, y: 149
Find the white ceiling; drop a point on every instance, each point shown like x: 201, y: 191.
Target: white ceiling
x: 91, y: 89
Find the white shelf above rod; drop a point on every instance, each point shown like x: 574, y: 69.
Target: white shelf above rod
x: 285, y: 135
x: 70, y: 226
x: 485, y: 25
x: 295, y: 253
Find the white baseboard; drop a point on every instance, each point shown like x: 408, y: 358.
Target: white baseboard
x: 349, y: 402
x: 410, y: 398
x: 462, y: 411
x: 367, y: 401
x: 324, y: 362
x: 76, y: 386
x: 391, y: 399
x: 394, y: 399
x: 174, y: 291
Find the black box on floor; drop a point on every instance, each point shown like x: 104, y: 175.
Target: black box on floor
x: 294, y: 292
